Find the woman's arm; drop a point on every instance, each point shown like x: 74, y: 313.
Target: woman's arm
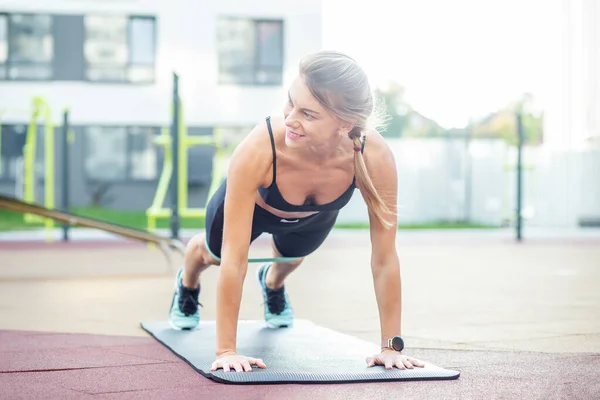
x: 248, y: 167
x: 385, y: 264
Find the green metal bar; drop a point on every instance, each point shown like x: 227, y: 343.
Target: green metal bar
x: 29, y: 151
x: 152, y: 213
x: 175, y: 135
x: 175, y: 167
x: 0, y: 145
x: 468, y: 175
x: 519, y: 226
x: 218, y: 164
x: 50, y: 166
x: 65, y: 206
x: 165, y: 177
x: 1, y: 116
x: 198, y: 140
x: 40, y: 109
x: 182, y: 184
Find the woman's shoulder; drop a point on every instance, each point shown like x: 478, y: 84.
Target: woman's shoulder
x: 277, y: 122
x: 261, y: 132
x: 377, y: 150
x: 253, y: 155
x: 258, y: 138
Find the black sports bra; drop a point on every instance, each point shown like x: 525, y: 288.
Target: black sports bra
x: 272, y: 196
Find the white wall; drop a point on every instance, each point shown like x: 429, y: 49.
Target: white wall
x: 564, y: 187
x: 568, y: 177
x: 186, y: 43
x: 433, y: 182
x: 558, y: 188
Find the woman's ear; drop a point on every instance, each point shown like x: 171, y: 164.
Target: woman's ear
x: 345, y: 128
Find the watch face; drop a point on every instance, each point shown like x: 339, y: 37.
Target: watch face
x: 397, y: 343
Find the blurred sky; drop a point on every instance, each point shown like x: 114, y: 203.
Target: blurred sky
x: 457, y: 59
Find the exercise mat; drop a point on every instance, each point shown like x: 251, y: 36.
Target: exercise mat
x: 304, y: 353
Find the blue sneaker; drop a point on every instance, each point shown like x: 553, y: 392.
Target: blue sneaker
x: 278, y: 312
x: 184, y: 312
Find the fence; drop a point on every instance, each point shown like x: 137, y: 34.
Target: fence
x: 440, y: 180
x: 452, y: 180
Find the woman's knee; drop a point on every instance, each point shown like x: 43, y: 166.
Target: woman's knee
x: 292, y: 263
x: 197, y: 249
x: 295, y: 263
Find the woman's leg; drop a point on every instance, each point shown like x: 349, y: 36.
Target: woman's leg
x: 197, y: 256
x: 280, y: 270
x: 298, y: 243
x: 197, y: 259
x: 278, y: 310
x: 184, y: 313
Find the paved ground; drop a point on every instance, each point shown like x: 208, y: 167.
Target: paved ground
x: 67, y: 366
x: 513, y: 317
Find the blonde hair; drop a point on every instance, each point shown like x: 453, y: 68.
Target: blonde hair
x: 343, y: 88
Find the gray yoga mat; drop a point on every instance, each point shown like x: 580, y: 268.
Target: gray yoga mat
x: 304, y: 353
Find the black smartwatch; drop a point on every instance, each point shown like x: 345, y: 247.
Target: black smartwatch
x: 396, y: 343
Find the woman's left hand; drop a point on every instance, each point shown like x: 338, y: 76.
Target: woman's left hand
x: 391, y: 358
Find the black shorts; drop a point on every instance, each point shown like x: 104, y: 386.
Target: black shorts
x: 292, y: 238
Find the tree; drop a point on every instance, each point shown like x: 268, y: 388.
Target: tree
x: 402, y: 119
x: 392, y: 104
x: 503, y: 123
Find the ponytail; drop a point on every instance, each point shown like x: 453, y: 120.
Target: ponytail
x: 342, y: 87
x: 375, y: 203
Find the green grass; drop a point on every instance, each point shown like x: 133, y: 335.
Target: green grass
x: 133, y: 219
x: 13, y: 221
x: 137, y: 220
x: 433, y: 225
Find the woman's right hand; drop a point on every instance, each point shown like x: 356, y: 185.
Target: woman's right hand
x: 236, y: 361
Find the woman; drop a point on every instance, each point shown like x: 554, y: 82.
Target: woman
x: 290, y: 177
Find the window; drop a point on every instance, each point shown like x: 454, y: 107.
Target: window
x: 26, y: 46
x: 250, y: 51
x: 119, y: 49
x: 141, y: 50
x: 12, y: 140
x: 106, y: 153
x: 117, y: 153
x: 3, y: 45
x: 143, y: 153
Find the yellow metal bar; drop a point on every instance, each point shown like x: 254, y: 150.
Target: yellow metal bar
x: 0, y: 145
x: 218, y: 166
x: 165, y: 177
x: 189, y: 141
x: 50, y: 167
x: 163, y: 139
x: 199, y: 140
x: 41, y: 109
x: 29, y: 152
x: 1, y: 116
x: 151, y: 227
x: 182, y: 185
x: 156, y: 210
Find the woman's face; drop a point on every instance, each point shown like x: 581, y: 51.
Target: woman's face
x: 307, y: 122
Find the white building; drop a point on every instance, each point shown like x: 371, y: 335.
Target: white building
x: 574, y: 119
x: 112, y: 64
x: 568, y: 169
x: 231, y: 56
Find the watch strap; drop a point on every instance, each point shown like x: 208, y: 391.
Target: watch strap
x: 389, y: 343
